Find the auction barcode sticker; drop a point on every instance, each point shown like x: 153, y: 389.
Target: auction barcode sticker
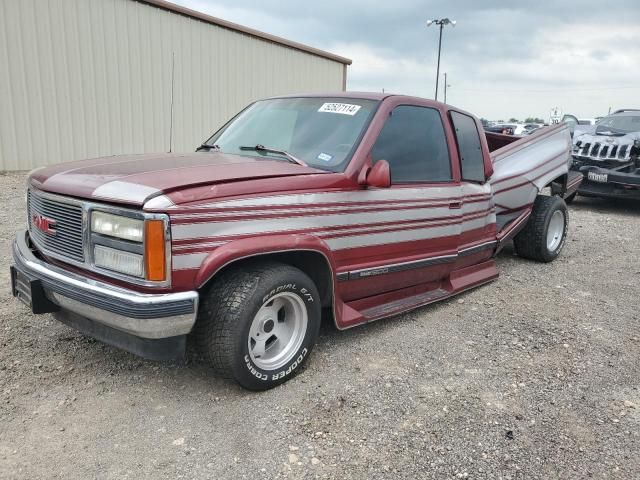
x: 343, y: 108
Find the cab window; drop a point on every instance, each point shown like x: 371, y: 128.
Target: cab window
x: 413, y: 142
x: 469, y: 147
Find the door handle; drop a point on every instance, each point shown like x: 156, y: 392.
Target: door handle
x: 455, y: 205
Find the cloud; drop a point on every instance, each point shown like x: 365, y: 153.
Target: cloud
x: 502, y: 59
x: 378, y: 69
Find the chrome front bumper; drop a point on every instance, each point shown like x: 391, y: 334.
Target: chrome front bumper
x: 144, y: 315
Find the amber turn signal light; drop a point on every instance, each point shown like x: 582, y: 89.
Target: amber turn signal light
x: 154, y: 250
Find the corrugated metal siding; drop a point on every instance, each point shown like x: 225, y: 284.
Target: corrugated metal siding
x: 86, y: 78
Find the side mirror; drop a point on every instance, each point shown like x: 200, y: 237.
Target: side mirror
x: 378, y: 176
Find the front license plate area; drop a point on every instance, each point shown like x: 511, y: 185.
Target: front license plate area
x: 20, y: 286
x: 30, y: 292
x: 598, y: 177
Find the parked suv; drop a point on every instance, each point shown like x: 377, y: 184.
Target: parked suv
x: 608, y: 156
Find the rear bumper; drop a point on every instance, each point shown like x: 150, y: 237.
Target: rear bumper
x: 607, y: 190
x: 112, y: 309
x: 616, y: 182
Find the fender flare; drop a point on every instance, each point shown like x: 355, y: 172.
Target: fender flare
x: 258, y: 246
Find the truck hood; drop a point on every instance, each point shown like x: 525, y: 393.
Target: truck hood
x: 591, y: 138
x: 590, y: 135
x: 135, y: 179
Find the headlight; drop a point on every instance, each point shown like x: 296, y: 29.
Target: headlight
x: 147, y: 257
x: 117, y: 226
x: 118, y: 261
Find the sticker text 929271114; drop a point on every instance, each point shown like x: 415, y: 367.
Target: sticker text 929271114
x: 342, y: 108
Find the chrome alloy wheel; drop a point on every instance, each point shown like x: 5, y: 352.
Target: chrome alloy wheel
x: 277, y: 331
x: 555, y: 232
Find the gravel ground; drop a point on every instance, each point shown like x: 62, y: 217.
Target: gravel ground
x: 536, y: 375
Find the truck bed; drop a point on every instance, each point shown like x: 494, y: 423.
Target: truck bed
x: 523, y: 166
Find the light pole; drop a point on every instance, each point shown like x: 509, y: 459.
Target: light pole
x: 441, y: 22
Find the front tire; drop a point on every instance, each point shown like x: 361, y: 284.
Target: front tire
x: 258, y: 323
x: 545, y: 233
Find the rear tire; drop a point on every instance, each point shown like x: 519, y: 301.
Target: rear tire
x: 258, y: 323
x: 545, y: 233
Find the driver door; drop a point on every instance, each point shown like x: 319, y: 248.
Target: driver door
x: 414, y: 237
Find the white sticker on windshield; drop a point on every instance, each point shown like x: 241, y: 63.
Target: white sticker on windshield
x: 325, y: 157
x: 343, y: 108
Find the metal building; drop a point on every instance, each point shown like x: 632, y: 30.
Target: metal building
x: 87, y: 78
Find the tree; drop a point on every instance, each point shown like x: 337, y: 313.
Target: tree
x: 513, y: 120
x: 484, y: 122
x: 533, y: 120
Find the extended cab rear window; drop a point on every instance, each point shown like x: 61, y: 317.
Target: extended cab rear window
x: 469, y: 147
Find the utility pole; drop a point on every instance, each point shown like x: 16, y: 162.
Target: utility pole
x: 441, y: 22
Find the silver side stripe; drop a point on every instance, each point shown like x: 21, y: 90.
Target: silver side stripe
x: 188, y: 261
x: 203, y: 245
x: 270, y: 225
x: 450, y: 228
x: 361, y: 233
x: 384, y: 238
x: 194, y: 260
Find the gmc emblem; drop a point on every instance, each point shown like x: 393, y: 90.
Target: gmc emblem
x: 43, y: 224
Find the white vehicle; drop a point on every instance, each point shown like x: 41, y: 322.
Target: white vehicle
x: 532, y: 127
x: 587, y: 121
x: 508, y: 128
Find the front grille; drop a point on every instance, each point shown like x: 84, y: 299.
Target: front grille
x: 67, y: 242
x: 604, y: 151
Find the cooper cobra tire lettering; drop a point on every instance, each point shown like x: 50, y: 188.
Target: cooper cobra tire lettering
x: 254, y: 372
x: 292, y: 367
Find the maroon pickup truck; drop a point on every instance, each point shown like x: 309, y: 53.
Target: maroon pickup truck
x: 360, y: 206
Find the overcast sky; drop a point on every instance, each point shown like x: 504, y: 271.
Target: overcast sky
x: 503, y: 58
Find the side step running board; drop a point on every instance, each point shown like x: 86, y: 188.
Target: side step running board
x: 405, y: 304
x: 403, y: 300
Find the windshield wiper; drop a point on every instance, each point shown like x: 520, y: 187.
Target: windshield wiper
x: 208, y: 147
x: 284, y: 153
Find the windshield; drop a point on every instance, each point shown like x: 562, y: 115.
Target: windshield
x: 323, y: 132
x: 619, y: 124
